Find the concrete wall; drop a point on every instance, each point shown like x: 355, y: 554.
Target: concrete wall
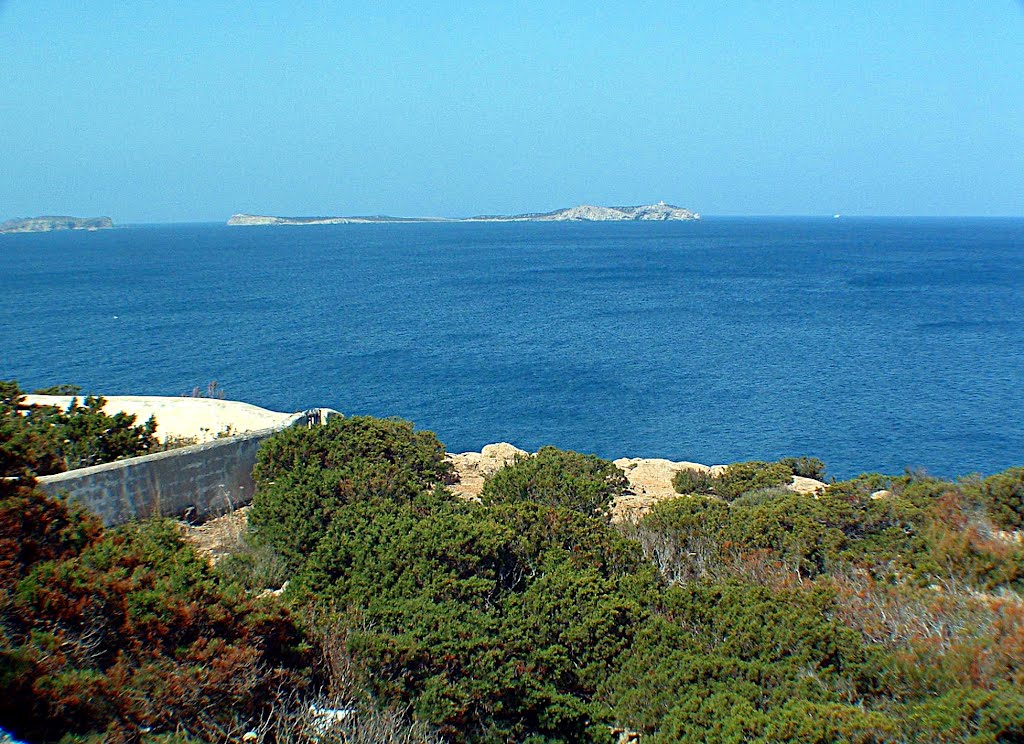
x: 197, y: 482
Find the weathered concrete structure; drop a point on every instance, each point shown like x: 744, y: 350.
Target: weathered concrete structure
x: 181, y: 417
x: 195, y: 482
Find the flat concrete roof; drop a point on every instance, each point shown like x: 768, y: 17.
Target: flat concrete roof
x: 202, y: 418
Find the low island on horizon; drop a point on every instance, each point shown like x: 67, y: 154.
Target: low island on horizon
x: 583, y: 213
x: 50, y: 223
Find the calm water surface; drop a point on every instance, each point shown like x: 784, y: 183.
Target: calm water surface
x: 873, y: 344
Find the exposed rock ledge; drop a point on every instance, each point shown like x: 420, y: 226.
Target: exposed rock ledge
x: 661, y: 212
x: 46, y: 224
x: 650, y: 479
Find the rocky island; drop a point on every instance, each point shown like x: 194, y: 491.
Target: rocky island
x: 583, y: 213
x: 660, y: 212
x: 48, y: 224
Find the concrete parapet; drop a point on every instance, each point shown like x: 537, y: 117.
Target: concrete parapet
x: 196, y: 482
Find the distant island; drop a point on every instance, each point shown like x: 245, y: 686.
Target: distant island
x: 47, y: 224
x: 583, y: 213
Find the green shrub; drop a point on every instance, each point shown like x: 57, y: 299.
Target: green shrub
x: 303, y: 476
x: 970, y: 715
x: 255, y: 566
x: 554, y: 477
x: 1003, y: 494
x: 798, y: 531
x: 724, y: 657
x: 86, y: 436
x: 699, y: 482
x: 862, y: 486
x: 688, y: 517
x: 542, y: 532
x: 683, y: 537
x: 25, y: 451
x: 41, y: 440
x: 344, y: 443
x: 492, y: 623
x: 805, y: 467
x: 741, y: 477
x: 62, y: 389
x: 761, y: 496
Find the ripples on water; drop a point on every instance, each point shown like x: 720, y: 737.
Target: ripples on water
x: 873, y: 344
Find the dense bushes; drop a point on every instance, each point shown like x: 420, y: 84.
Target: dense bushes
x: 932, y: 595
x: 86, y: 436
x: 304, y: 476
x: 122, y: 635
x: 805, y: 467
x: 494, y: 624
x: 40, y: 440
x: 1003, y: 494
x: 584, y: 483
x: 747, y: 614
x: 742, y: 477
x: 495, y: 621
x: 410, y: 458
x: 693, y: 482
x: 926, y: 531
x: 25, y: 449
x: 530, y: 616
x: 722, y: 661
x: 117, y: 632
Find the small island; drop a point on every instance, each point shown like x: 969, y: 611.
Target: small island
x: 583, y: 213
x: 48, y: 224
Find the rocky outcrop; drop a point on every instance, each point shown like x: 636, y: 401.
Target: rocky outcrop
x: 47, y: 224
x: 806, y: 486
x: 650, y: 478
x: 472, y: 468
x: 583, y: 213
x: 650, y: 481
x: 588, y: 213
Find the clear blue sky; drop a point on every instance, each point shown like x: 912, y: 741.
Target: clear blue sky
x: 189, y: 111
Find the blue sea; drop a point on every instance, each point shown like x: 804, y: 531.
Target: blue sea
x: 874, y: 344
